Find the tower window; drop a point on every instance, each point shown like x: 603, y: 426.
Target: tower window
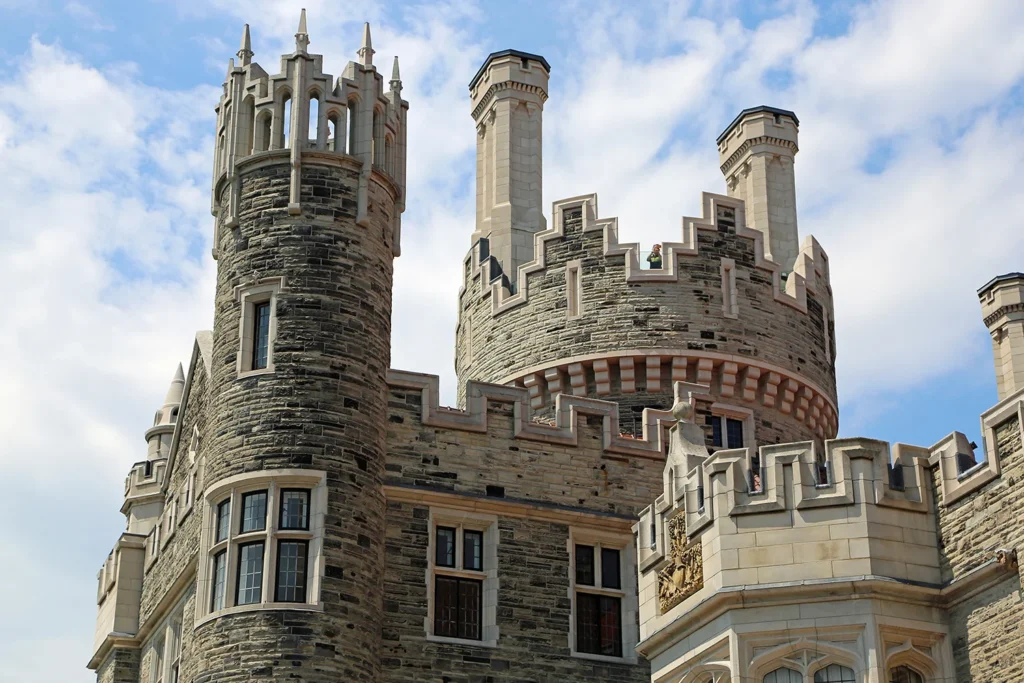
x: 258, y: 326
x: 726, y: 432
x: 904, y: 674
x: 261, y: 335
x: 250, y: 573
x: 278, y: 536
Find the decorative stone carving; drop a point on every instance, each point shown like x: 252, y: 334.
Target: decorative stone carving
x: 685, y: 574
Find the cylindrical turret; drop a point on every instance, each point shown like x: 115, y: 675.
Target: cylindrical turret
x: 584, y: 318
x: 508, y: 95
x: 307, y: 230
x: 1002, y: 306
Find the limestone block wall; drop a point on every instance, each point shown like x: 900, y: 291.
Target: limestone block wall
x: 987, y: 638
x: 584, y: 319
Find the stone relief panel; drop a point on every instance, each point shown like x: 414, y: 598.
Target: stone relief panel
x: 684, y: 575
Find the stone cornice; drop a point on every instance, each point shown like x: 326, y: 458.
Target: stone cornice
x: 1001, y: 311
x: 733, y: 376
x: 495, y: 88
x: 763, y: 140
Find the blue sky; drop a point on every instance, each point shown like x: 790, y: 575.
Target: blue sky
x: 912, y: 141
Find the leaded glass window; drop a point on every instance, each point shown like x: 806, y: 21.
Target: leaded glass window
x: 291, y: 571
x: 250, y: 573
x: 295, y: 509
x: 260, y: 335
x: 254, y: 511
x: 835, y: 673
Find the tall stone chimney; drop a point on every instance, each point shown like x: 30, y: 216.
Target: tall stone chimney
x: 756, y: 153
x: 1002, y: 307
x: 508, y: 94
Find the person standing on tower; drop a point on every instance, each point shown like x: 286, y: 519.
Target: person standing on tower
x: 655, y: 257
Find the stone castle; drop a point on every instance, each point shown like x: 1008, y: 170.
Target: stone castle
x: 642, y: 481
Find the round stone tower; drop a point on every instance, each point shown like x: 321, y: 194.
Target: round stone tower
x: 309, y: 183
x: 582, y: 313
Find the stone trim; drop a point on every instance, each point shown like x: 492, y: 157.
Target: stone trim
x: 495, y: 88
x: 737, y: 376
x: 763, y: 140
x: 565, y: 431
x: 506, y: 507
x: 954, y: 484
x: 810, y: 272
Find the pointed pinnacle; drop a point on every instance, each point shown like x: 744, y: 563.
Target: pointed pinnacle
x: 302, y: 21
x: 395, y: 76
x: 245, y: 52
x: 302, y: 38
x: 366, y: 51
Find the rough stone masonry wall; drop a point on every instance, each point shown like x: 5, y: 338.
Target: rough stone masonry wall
x: 322, y: 408
x: 121, y: 666
x: 533, y: 557
x: 988, y: 641
x: 184, y: 544
x: 681, y: 316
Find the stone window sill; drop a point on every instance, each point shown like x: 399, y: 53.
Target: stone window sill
x: 261, y: 607
x: 461, y: 641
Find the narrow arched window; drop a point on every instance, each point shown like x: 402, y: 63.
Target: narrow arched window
x: 834, y: 673
x: 350, y: 146
x: 246, y: 127
x: 333, y: 130
x: 377, y: 144
x: 783, y: 675
x: 286, y: 122
x: 261, y: 139
x: 389, y: 150
x: 314, y: 120
x: 904, y: 674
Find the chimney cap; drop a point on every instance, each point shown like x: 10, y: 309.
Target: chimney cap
x: 756, y: 110
x: 1000, y: 278
x: 507, y: 53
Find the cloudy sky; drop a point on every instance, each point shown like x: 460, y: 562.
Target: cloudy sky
x: 912, y: 146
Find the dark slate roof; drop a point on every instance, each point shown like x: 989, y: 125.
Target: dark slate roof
x: 755, y: 110
x: 1000, y: 278
x: 507, y: 53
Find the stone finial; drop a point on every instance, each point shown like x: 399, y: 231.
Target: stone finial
x: 366, y: 51
x: 301, y: 36
x: 396, y: 77
x: 245, y: 52
x: 683, y: 411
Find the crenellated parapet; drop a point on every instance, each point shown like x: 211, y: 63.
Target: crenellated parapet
x: 812, y: 515
x: 305, y: 116
x: 583, y: 317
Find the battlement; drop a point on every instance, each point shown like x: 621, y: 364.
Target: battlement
x: 563, y: 430
x: 304, y: 110
x: 794, y: 513
x: 483, y: 274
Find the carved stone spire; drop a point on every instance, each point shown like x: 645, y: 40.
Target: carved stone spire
x: 366, y: 51
x: 245, y: 52
x: 396, y: 78
x: 301, y: 37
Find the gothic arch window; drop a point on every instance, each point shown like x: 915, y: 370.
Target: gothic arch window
x: 335, y: 131
x: 248, y: 121
x: 783, y: 675
x: 261, y: 132
x: 351, y: 142
x: 904, y: 674
x: 314, y: 120
x: 835, y: 673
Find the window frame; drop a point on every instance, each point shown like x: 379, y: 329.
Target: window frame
x: 250, y: 298
x: 461, y: 521
x: 626, y: 593
x: 232, y: 490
